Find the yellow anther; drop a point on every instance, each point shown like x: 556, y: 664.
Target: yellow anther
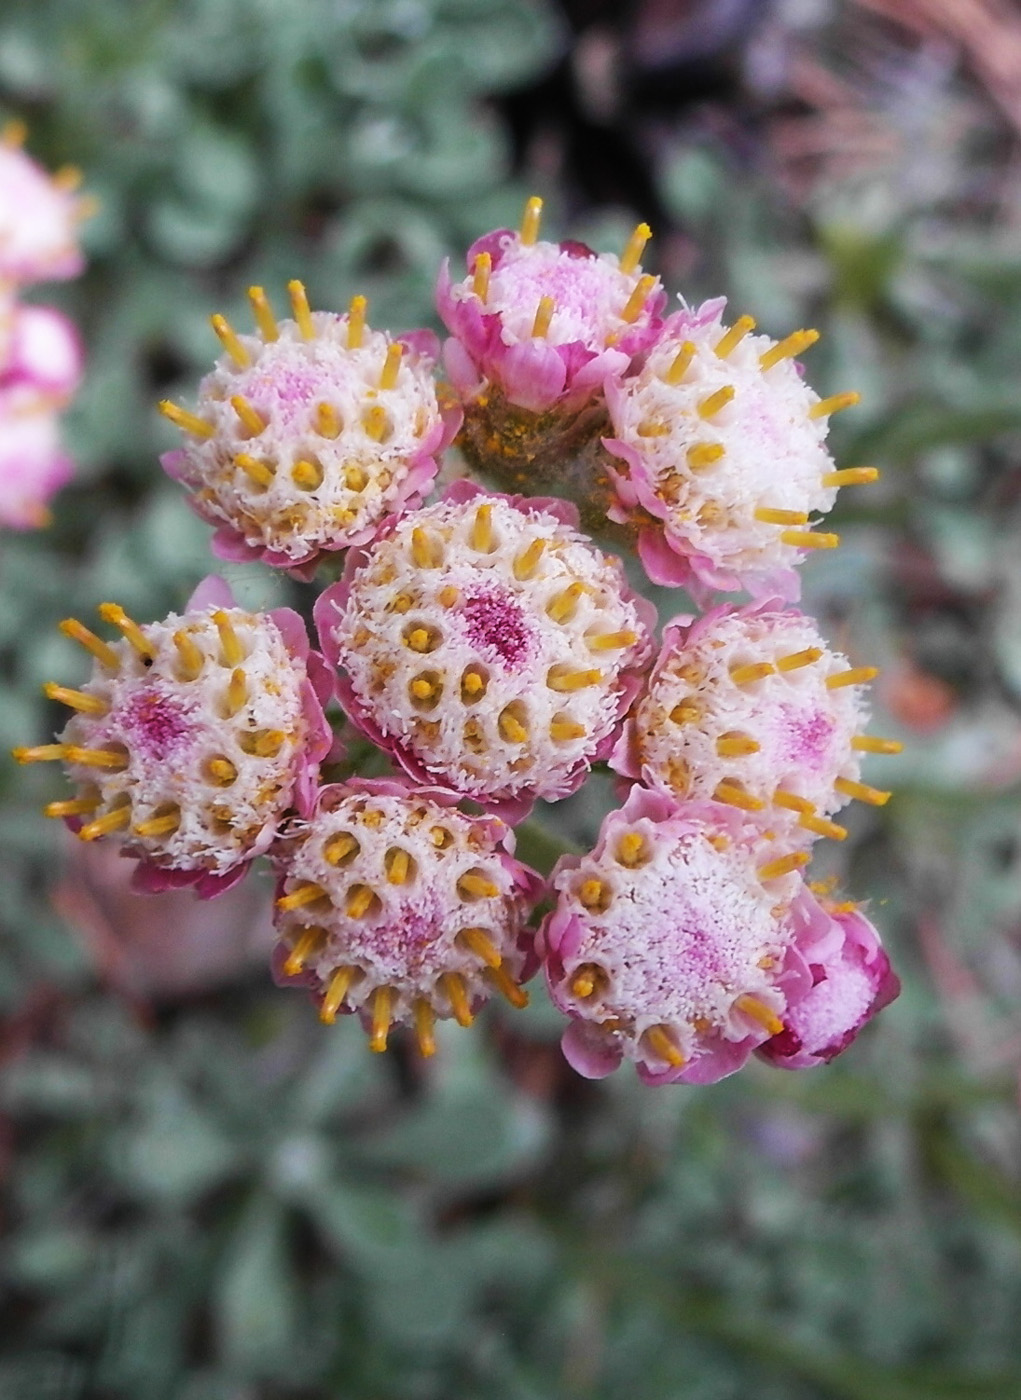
x: 230, y: 342
x: 133, y: 634
x: 221, y: 771
x: 851, y: 476
x: 527, y: 561
x: 307, y: 476
x: 585, y: 980
x: 481, y: 270
x: 511, y: 728
x: 736, y: 796
x: 76, y: 699
x: 336, y: 991
x: 423, y: 689
x: 822, y: 827
x: 256, y: 471
x: 594, y: 894
x: 328, y: 422
x: 376, y: 423
x: 104, y: 825
x: 758, y: 1011
x: 440, y: 837
x: 562, y: 606
x: 472, y: 685
x: 562, y: 679
x: 263, y: 313
x: 632, y: 254
x: 876, y: 797
x: 507, y: 987
x: 792, y: 802
x: 770, y: 515
x: 636, y: 301
x: 787, y: 348
x: 425, y: 551
x: 563, y: 730
x: 360, y: 899
x: 631, y: 849
x: 339, y: 847
x: 796, y: 659
x: 857, y: 675
x: 71, y: 807
x: 653, y: 427
x: 611, y: 641
x: 251, y: 420
x: 457, y: 994
x: 480, y: 943
x: 13, y: 133
x: 298, y: 898
x: 419, y: 639
x: 784, y: 865
x: 704, y: 454
x: 754, y: 671
x: 103, y: 653
x: 679, y: 364
x: 267, y: 743
x: 300, y: 308
x: 398, y: 866
x: 834, y: 404
x: 355, y: 479
x: 530, y: 221
x: 475, y: 886
x: 732, y: 338
x: 381, y: 1016
x: 96, y: 758
x: 231, y: 650
x: 735, y: 745
x: 188, y: 422
x: 356, y: 322
x: 869, y: 743
x: 190, y: 659
x: 164, y: 825
x: 424, y: 1018
x: 391, y: 365
x: 712, y: 405
x: 42, y: 753
x: 481, y: 536
x: 543, y: 317
x: 663, y: 1046
x: 447, y: 596
x: 687, y: 711
x: 809, y: 539
x: 237, y: 692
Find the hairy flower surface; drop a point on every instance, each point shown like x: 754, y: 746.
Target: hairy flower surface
x: 192, y: 737
x: 33, y: 464
x: 488, y: 645
x: 545, y: 323
x: 675, y: 942
x: 722, y: 443
x: 750, y: 707
x: 39, y: 217
x: 395, y: 905
x: 307, y: 433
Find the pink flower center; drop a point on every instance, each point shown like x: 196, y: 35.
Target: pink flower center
x: 495, y: 623
x: 154, y: 722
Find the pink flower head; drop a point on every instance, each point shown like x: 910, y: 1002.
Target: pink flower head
x: 749, y: 706
x: 33, y: 465
x: 193, y: 737
x: 851, y: 981
x: 44, y: 356
x: 722, y: 442
x: 309, y: 432
x: 678, y: 942
x: 488, y: 645
x: 395, y: 905
x: 546, y: 323
x: 39, y: 217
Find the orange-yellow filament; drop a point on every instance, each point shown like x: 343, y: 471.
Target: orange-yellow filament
x: 857, y: 675
x: 188, y: 422
x: 834, y: 404
x: 300, y: 308
x: 103, y: 653
x: 336, y: 991
x: 632, y: 254
x: 733, y: 337
x: 263, y: 313
x: 787, y: 348
x: 76, y: 699
x: 117, y: 617
x: 230, y: 342
x: 876, y: 797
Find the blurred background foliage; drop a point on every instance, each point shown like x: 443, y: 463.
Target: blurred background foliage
x: 206, y: 1195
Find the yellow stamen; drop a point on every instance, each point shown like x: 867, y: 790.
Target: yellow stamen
x: 267, y: 743
x: 381, y: 999
x: 857, y: 675
x: 424, y: 1018
x: 420, y: 639
x: 41, y: 753
x: 375, y: 422
x: 356, y: 322
x: 754, y: 671
x: 595, y: 894
x: 423, y: 689
x: 530, y: 221
x: 398, y: 866
x: 336, y: 991
x: 797, y: 659
x: 71, y: 807
x: 355, y: 479
x: 507, y: 987
x: 651, y: 427
x: 440, y: 837
x: 263, y: 313
x: 809, y: 539
x: 423, y: 550
x: 636, y: 301
x: 527, y: 561
x: 834, y: 404
x: 117, y: 617
x: 822, y: 827
x: 472, y: 886
x: 561, y: 607
x: 735, y: 745
x: 231, y: 650
x: 298, y: 898
x: 300, y: 308
x: 704, y: 454
x: 481, y: 270
x: 757, y: 1010
x: 631, y: 849
x: 188, y: 422
x: 159, y: 826
x: 787, y: 348
x: 251, y: 420
x: 391, y: 365
x: 307, y: 476
x: 686, y: 711
x: 190, y: 659
x: 472, y: 686
x: 480, y: 943
x: 447, y: 596
x: 679, y: 365
x: 338, y: 847
x: 360, y: 899
x: 481, y: 537
x: 511, y: 728
x: 564, y: 680
x: 732, y: 338
x: 328, y: 422
x: 735, y: 796
x: 769, y: 515
x: 563, y: 730
x: 103, y: 653
x: 237, y: 692
x: 632, y: 254
x: 543, y: 317
x: 453, y: 984
x: 876, y: 797
x: 104, y: 825
x: 712, y: 405
x: 256, y: 471
x: 784, y: 865
x: 662, y: 1045
x: 228, y: 339
x: 585, y: 980
x: 869, y: 743
x: 792, y: 802
x: 221, y: 771
x: 76, y: 699
x: 611, y: 641
x: 851, y: 476
x: 96, y: 758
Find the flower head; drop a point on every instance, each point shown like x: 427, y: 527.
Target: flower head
x: 192, y: 737
x: 395, y: 905
x: 488, y: 645
x: 33, y: 465
x: 309, y: 432
x: 722, y: 443
x: 43, y: 355
x: 748, y: 706
x: 39, y: 216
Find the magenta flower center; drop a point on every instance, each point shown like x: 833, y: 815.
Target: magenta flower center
x: 155, y: 723
x: 496, y: 624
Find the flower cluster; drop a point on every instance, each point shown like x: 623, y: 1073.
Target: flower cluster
x: 40, y: 358
x: 486, y: 645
